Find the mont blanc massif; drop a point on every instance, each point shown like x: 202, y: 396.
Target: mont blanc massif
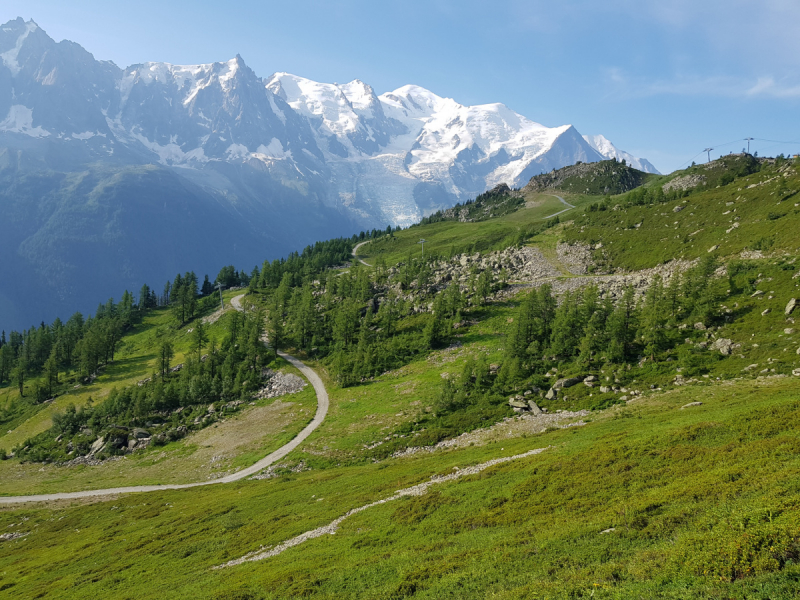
x: 115, y: 177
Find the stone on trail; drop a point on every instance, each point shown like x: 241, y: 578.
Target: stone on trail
x: 691, y: 404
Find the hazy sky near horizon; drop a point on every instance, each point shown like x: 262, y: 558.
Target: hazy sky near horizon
x: 662, y: 80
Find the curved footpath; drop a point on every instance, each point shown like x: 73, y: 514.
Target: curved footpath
x: 355, y: 252
x: 322, y: 410
x: 569, y: 206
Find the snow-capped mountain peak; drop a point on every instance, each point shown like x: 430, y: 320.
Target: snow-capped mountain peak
x: 21, y: 30
x: 389, y: 158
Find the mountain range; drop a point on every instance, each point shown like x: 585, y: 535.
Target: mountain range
x: 113, y: 177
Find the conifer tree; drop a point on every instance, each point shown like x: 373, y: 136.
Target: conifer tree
x: 653, y: 319
x: 165, y: 354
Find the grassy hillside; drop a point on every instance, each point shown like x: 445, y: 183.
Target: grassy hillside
x: 678, y: 478
x: 752, y: 212
x: 698, y: 502
x: 446, y: 238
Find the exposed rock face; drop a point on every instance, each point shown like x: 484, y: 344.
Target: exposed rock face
x: 685, y: 182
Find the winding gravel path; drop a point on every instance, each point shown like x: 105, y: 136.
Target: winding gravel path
x: 355, y: 252
x: 322, y: 410
x: 569, y: 207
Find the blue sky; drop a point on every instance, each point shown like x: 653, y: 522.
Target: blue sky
x: 661, y: 79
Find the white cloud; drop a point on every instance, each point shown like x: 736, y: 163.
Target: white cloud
x: 767, y: 86
x: 620, y: 84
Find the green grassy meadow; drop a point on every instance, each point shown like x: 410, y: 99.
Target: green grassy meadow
x: 702, y: 502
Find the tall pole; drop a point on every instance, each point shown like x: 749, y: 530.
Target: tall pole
x: 219, y: 286
x: 709, y: 153
x: 421, y: 241
x: 748, y: 143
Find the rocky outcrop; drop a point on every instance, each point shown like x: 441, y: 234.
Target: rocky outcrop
x: 280, y: 384
x: 577, y: 258
x: 685, y: 182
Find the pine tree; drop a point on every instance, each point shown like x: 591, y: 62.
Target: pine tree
x: 199, y: 339
x: 275, y: 327
x: 567, y: 327
x: 484, y: 286
x: 654, y: 319
x: 51, y: 372
x: 621, y: 327
x: 165, y: 355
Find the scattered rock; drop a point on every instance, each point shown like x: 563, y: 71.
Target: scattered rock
x: 677, y: 209
x: 534, y: 408
x: 567, y: 382
x: 552, y: 393
x: 140, y: 433
x: 790, y: 306
x: 714, y: 247
x: 609, y: 530
x: 724, y: 346
x: 699, y: 326
x: 788, y: 331
x: 796, y: 372
x: 691, y: 404
x: 765, y: 312
x: 750, y: 367
x: 97, y: 445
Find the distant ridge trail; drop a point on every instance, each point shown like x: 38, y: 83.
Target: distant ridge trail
x: 569, y: 207
x: 319, y: 417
